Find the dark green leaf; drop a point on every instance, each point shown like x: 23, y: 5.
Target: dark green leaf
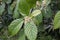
x: 38, y: 19
x: 47, y: 12
x: 26, y: 5
x: 21, y: 35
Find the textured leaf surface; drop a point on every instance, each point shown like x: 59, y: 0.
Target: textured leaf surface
x: 57, y: 20
x: 30, y: 30
x: 15, y: 26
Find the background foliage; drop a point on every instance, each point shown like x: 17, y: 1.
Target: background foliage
x: 12, y: 12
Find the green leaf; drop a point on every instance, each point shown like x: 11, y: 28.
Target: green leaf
x: 9, y: 10
x: 38, y: 19
x: 2, y: 8
x: 21, y: 35
x: 47, y: 12
x: 26, y: 5
x: 57, y: 21
x: 30, y: 30
x: 15, y: 26
x: 16, y: 13
x: 37, y: 16
x: 35, y: 13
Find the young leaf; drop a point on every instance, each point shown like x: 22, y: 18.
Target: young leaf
x: 30, y: 30
x: 35, y: 13
x: 15, y: 26
x: 57, y: 21
x: 26, y: 5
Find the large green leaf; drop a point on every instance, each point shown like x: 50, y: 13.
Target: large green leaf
x: 57, y: 20
x: 30, y: 30
x: 26, y: 5
x: 21, y: 35
x: 2, y: 8
x: 15, y: 26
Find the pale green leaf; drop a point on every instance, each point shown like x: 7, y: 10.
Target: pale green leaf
x: 57, y: 21
x: 35, y: 13
x: 30, y: 30
x: 15, y: 26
